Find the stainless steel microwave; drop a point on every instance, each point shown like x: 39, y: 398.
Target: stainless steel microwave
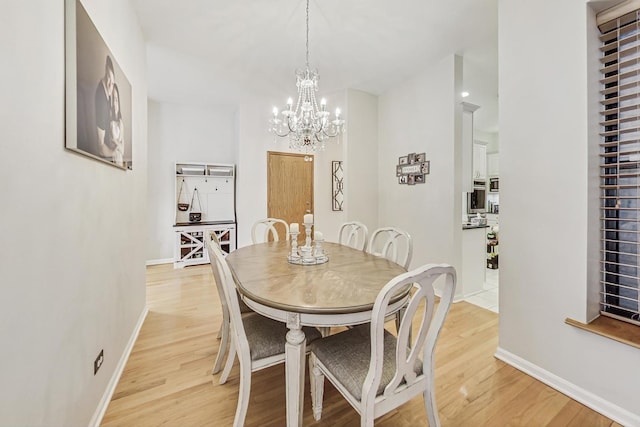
x: 494, y: 185
x: 477, y: 199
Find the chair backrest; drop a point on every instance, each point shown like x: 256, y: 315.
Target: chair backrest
x: 392, y: 243
x: 420, y: 304
x: 230, y: 294
x: 213, y: 237
x: 354, y: 234
x: 261, y: 230
x: 212, y: 243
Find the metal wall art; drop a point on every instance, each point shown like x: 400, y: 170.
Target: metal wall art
x: 412, y: 169
x: 337, y: 180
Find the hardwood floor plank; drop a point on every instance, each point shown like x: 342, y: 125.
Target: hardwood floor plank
x: 167, y: 380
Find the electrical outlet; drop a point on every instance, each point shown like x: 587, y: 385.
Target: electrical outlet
x: 98, y: 362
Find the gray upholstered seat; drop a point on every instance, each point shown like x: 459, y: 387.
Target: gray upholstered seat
x: 267, y: 337
x: 347, y: 354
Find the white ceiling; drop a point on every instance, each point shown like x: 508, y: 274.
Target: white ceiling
x: 207, y: 52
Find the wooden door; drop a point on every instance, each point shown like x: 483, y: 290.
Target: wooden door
x: 289, y: 187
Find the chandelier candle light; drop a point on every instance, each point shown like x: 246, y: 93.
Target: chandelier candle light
x: 307, y: 254
x: 306, y: 125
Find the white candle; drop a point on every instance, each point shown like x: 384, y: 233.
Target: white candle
x: 308, y: 219
x: 275, y: 112
x: 294, y: 228
x: 317, y: 235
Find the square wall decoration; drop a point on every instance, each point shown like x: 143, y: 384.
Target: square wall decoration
x: 98, y: 94
x: 413, y: 169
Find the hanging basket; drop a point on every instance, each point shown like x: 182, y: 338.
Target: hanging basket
x: 195, y: 216
x: 181, y: 205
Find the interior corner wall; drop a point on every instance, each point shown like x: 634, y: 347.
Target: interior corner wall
x: 72, y: 262
x: 420, y: 116
x: 181, y: 133
x: 361, y: 160
x: 544, y: 193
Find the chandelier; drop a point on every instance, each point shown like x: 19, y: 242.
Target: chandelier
x: 306, y: 125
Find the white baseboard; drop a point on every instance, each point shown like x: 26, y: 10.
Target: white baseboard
x: 111, y: 387
x: 597, y: 403
x: 159, y: 261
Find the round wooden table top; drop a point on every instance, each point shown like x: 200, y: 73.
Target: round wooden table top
x: 348, y: 283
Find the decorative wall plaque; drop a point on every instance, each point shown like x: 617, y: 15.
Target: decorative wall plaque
x: 412, y: 169
x: 337, y: 179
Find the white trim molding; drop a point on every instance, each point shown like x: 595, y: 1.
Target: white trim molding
x: 597, y: 403
x: 159, y: 261
x: 111, y: 387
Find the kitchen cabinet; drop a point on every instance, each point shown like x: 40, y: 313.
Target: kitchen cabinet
x: 467, y: 146
x: 479, y: 161
x: 493, y: 164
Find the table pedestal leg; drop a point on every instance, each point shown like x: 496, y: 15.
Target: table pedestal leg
x: 294, y: 366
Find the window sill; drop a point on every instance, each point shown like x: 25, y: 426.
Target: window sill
x: 617, y: 330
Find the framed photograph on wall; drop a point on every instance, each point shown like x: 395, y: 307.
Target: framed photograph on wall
x: 403, y: 160
x: 98, y: 94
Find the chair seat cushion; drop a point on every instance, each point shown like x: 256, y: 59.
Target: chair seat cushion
x: 347, y: 356
x: 267, y: 337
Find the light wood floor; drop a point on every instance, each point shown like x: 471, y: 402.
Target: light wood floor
x: 167, y: 380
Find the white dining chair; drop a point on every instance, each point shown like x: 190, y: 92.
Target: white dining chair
x: 223, y: 332
x: 396, y: 245
x: 262, y: 229
x: 354, y: 234
x: 258, y: 341
x: 376, y: 371
x: 392, y: 243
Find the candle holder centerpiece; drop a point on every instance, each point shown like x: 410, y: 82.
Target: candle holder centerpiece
x: 307, y: 254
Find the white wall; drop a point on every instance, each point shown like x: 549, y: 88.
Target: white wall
x: 423, y: 115
x: 545, y: 234
x: 179, y: 133
x: 71, y: 258
x: 361, y: 160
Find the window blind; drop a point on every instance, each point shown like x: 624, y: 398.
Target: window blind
x: 620, y: 167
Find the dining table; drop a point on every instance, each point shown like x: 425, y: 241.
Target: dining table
x: 339, y: 292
